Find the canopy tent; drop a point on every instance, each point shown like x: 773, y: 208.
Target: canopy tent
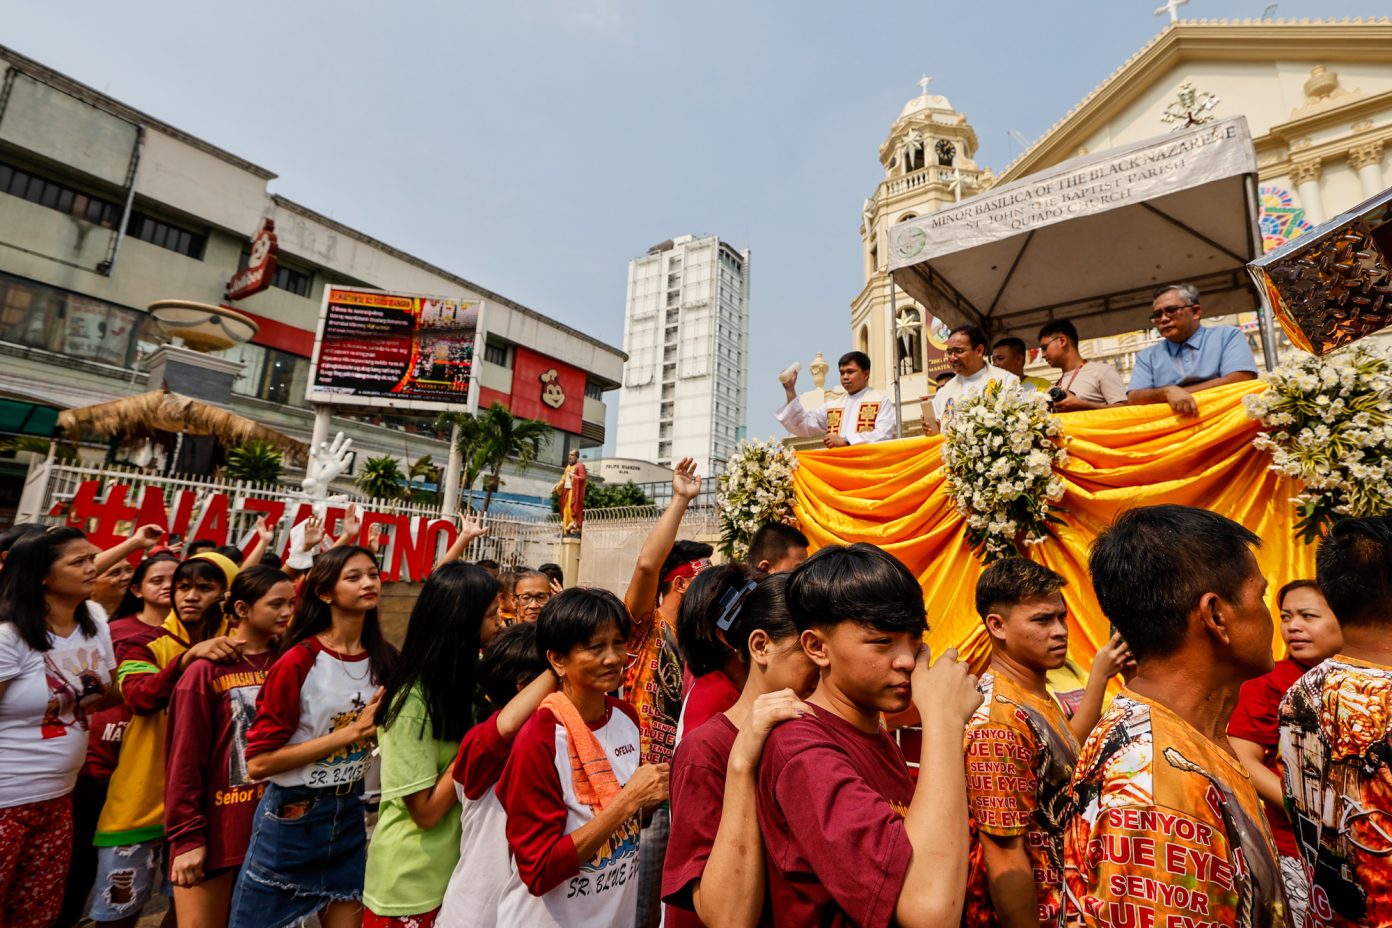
x: 1090, y: 239
x: 145, y: 415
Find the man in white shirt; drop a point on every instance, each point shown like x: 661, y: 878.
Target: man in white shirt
x: 862, y: 415
x: 966, y: 355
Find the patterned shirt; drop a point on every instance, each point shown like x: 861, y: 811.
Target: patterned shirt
x: 1165, y: 829
x: 1020, y: 754
x: 1335, y: 746
x: 652, y: 685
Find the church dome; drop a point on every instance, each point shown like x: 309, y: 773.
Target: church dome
x: 927, y: 101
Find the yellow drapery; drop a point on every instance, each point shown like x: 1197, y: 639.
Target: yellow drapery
x: 892, y: 494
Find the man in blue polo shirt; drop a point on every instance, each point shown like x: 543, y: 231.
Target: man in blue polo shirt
x: 1191, y: 358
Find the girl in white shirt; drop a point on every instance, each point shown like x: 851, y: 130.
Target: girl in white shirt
x: 56, y: 666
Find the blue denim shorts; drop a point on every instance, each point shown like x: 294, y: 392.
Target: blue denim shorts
x: 126, y: 880
x: 308, y: 848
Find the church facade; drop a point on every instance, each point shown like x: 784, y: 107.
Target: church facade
x: 1317, y: 96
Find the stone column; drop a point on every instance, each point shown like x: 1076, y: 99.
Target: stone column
x: 1367, y: 161
x: 1306, y: 175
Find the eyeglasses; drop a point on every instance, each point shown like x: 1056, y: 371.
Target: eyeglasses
x: 534, y: 598
x: 1166, y: 311
x: 1044, y: 345
x: 956, y: 352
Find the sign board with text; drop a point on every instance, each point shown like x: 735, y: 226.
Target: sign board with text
x: 1089, y: 239
x: 401, y: 351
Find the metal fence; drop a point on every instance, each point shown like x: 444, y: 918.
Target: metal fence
x: 609, y: 544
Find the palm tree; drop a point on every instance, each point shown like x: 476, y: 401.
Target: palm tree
x: 381, y: 478
x: 502, y: 436
x: 255, y: 461
x: 469, y: 442
x: 424, y: 470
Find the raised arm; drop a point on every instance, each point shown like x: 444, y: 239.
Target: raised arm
x: 265, y: 531
x: 469, y: 529
x: 936, y: 824
x: 1110, y: 661
x: 735, y: 868
x: 642, y: 589
x: 142, y: 539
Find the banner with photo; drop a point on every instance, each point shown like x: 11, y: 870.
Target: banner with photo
x: 403, y: 351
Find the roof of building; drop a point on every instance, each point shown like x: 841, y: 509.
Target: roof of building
x: 1347, y: 39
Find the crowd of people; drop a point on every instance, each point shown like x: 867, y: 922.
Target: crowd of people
x: 723, y: 745
x: 1189, y: 358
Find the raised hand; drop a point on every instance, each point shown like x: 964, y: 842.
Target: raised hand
x: 944, y: 688
x: 352, y: 522
x: 147, y: 536
x: 313, y: 533
x: 471, y: 528
x: 686, y: 483
x: 1113, y: 657
x: 265, y: 530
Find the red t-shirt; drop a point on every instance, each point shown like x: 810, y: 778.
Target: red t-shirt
x: 698, y: 795
x: 831, y: 810
x: 209, y: 797
x: 108, y: 726
x: 1256, y: 720
x: 710, y: 695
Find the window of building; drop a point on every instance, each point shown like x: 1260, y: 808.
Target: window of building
x: 38, y: 316
x: 593, y: 390
x: 167, y: 235
x: 497, y: 353
x: 57, y: 196
x: 269, y: 374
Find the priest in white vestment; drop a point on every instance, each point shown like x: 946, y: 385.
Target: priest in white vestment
x: 860, y: 416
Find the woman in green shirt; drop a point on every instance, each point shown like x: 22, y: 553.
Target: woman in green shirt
x: 425, y: 710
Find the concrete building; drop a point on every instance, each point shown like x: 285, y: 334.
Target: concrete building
x: 105, y: 209
x: 686, y: 332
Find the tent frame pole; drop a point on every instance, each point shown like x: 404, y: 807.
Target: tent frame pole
x: 894, y: 357
x: 1265, y: 322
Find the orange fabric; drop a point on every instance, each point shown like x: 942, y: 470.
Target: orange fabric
x: 595, y: 783
x: 892, y: 494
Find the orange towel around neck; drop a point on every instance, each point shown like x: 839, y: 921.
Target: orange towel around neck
x: 595, y: 783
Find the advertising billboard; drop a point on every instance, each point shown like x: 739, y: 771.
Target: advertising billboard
x: 403, y: 351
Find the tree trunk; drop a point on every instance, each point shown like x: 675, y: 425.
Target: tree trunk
x: 490, y: 485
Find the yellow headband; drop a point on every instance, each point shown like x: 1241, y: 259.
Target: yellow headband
x: 223, y: 562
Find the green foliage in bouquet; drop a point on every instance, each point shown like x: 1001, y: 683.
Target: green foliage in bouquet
x: 757, y: 487
x: 1000, y: 449
x: 1328, y: 422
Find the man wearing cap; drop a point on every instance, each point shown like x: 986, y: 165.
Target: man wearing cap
x: 862, y: 415
x: 1191, y: 357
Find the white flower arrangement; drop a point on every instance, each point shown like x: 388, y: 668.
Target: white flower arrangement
x: 757, y: 487
x: 1328, y: 423
x: 1000, y: 449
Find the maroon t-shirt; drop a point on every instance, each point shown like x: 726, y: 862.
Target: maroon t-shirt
x: 108, y: 726
x: 698, y: 794
x: 209, y: 797
x: 711, y: 694
x: 1256, y: 720
x: 831, y: 810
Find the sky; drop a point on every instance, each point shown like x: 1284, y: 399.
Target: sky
x: 535, y: 147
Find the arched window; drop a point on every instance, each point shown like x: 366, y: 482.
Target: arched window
x: 908, y: 340
x: 863, y: 339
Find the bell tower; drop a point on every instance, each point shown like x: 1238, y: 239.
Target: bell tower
x: 928, y: 160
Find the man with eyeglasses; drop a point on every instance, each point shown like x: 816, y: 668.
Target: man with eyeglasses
x: 966, y: 355
x: 1085, y: 384
x: 1192, y: 357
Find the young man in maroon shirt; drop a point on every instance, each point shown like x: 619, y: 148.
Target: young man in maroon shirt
x: 849, y: 839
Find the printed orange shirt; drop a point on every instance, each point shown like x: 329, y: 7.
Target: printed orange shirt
x: 1020, y: 754
x: 652, y: 685
x: 1166, y: 830
x: 1334, y: 749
